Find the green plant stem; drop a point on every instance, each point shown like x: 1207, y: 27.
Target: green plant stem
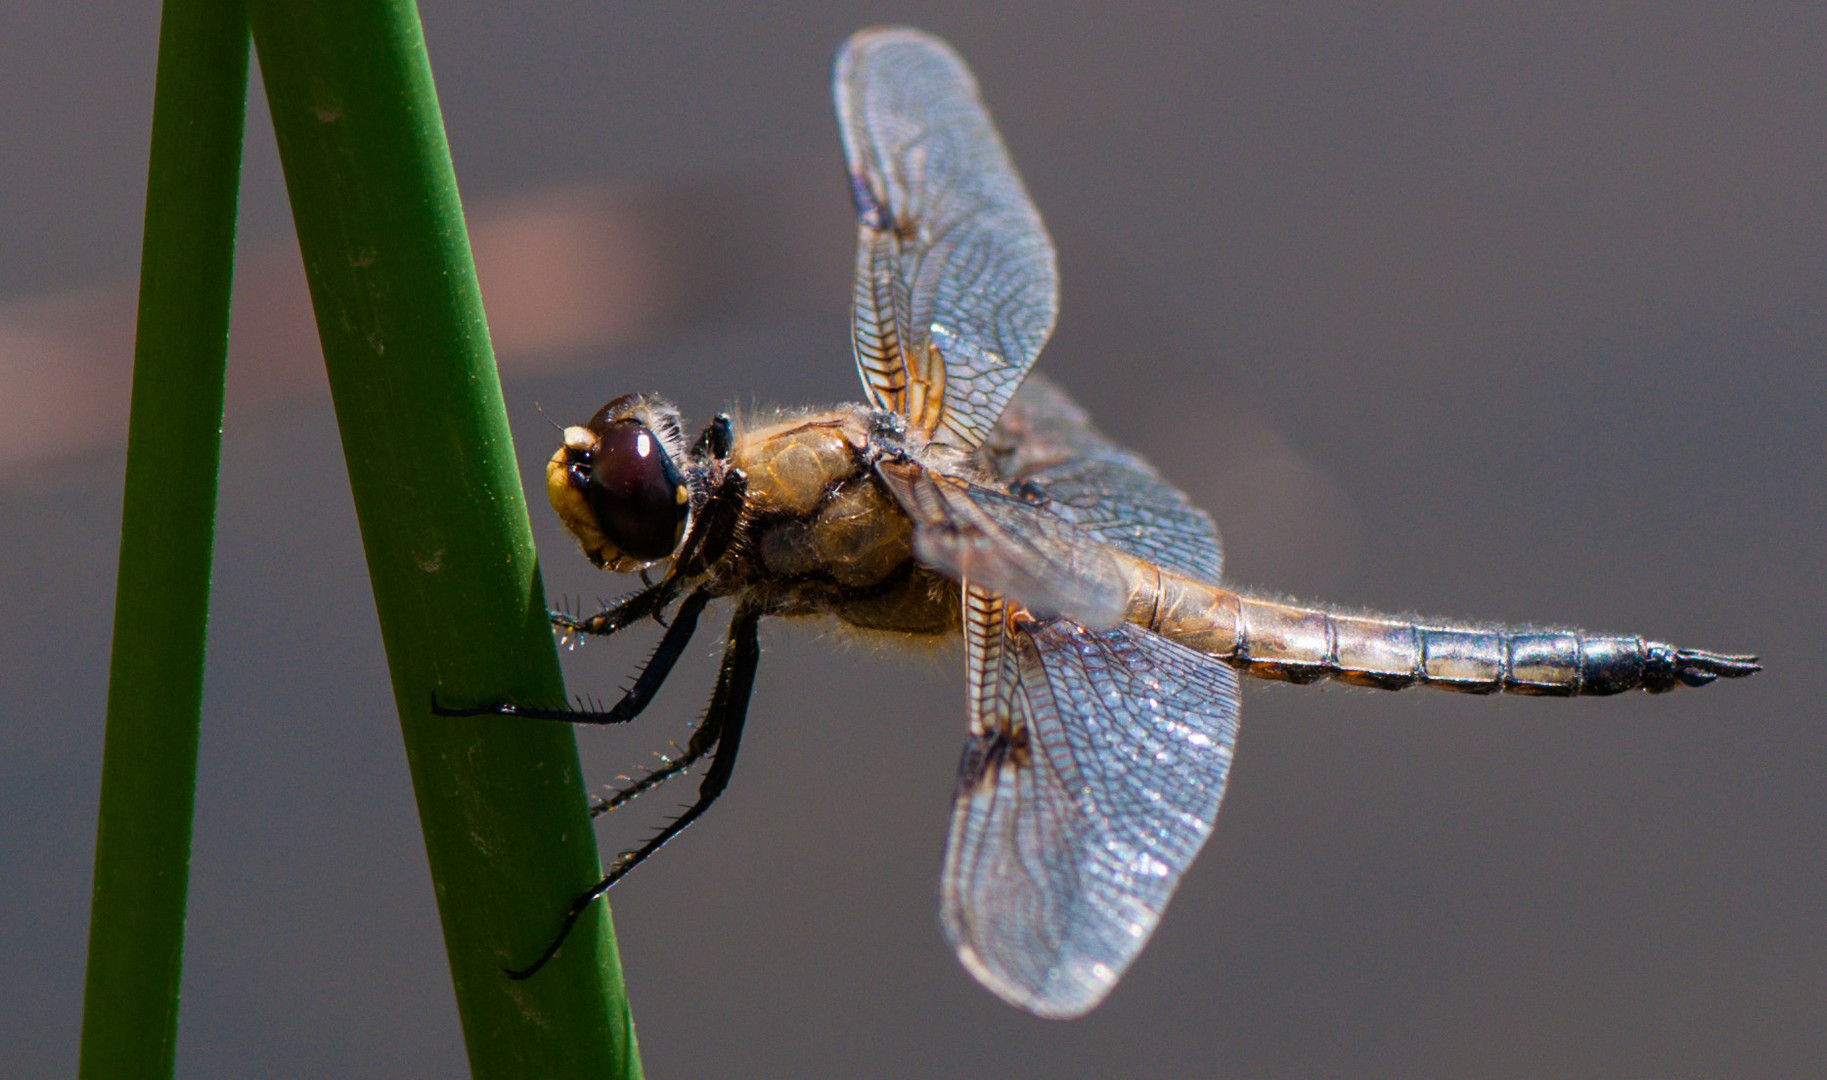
x: 161, y: 600
x: 444, y: 524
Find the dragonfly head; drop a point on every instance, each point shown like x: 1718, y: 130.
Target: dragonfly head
x: 617, y: 485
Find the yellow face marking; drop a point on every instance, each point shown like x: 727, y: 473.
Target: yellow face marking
x: 572, y: 507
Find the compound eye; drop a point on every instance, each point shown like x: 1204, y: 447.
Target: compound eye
x: 638, y: 497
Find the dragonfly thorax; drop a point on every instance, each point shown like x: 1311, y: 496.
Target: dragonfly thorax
x: 820, y: 533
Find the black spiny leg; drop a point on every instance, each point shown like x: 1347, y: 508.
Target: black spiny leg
x: 621, y: 614
x: 716, y: 525
x: 716, y: 439
x: 646, y: 684
x: 721, y: 731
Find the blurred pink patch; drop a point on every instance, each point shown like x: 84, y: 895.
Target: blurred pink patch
x: 561, y: 271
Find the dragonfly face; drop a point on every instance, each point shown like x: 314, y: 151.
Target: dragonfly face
x: 1102, y: 654
x: 617, y: 485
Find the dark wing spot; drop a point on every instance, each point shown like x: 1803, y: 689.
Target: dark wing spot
x: 1030, y: 491
x: 869, y: 209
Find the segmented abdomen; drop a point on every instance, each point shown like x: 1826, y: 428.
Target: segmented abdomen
x: 1299, y: 645
x: 1295, y: 644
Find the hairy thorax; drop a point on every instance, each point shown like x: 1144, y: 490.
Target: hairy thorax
x: 822, y: 535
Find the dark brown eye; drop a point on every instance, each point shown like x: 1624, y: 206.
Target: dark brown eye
x: 635, y: 492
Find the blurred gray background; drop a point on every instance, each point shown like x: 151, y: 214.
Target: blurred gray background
x: 1475, y: 310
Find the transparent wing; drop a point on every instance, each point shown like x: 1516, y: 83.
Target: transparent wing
x: 1092, y: 778
x: 1045, y: 448
x: 956, y: 288
x: 1008, y: 545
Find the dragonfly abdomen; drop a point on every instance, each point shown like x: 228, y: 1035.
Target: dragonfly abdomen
x: 1273, y: 640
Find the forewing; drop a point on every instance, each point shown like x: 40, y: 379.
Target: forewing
x: 1093, y: 775
x: 1009, y: 546
x: 956, y: 286
x: 1045, y: 447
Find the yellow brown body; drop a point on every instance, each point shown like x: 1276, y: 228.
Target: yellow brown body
x: 821, y: 535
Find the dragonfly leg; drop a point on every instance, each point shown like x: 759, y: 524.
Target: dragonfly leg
x: 702, y: 741
x: 716, y: 439
x: 621, y: 614
x: 646, y: 684
x: 717, y: 524
x: 719, y: 735
x: 652, y: 779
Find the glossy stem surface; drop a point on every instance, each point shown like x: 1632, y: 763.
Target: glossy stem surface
x: 444, y: 526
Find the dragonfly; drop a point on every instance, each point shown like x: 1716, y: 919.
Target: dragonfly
x: 966, y: 496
